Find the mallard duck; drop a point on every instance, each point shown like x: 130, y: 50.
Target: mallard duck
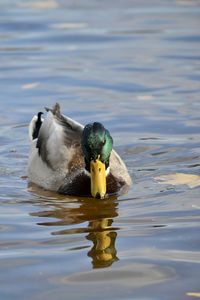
x: 69, y: 158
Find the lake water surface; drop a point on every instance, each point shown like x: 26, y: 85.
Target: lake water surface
x: 134, y: 66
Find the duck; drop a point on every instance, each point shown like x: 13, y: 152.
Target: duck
x: 72, y: 159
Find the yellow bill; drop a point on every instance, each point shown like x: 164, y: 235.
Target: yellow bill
x: 98, y: 178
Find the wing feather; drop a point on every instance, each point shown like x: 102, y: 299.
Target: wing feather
x: 118, y: 169
x: 58, y: 138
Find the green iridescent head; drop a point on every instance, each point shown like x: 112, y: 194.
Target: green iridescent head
x: 97, y: 145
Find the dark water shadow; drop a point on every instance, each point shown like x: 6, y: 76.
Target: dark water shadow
x: 79, y: 216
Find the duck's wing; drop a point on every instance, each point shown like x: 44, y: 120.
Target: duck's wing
x: 118, y: 169
x: 59, y: 139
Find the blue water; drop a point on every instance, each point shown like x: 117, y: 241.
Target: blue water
x: 134, y: 66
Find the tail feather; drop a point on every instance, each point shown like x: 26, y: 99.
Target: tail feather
x: 34, y: 126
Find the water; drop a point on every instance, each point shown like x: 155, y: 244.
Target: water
x: 134, y: 66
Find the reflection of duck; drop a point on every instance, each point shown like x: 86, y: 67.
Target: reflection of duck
x: 100, y: 216
x: 103, y: 252
x: 70, y: 159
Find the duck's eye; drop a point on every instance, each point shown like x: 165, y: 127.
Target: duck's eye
x: 104, y: 142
